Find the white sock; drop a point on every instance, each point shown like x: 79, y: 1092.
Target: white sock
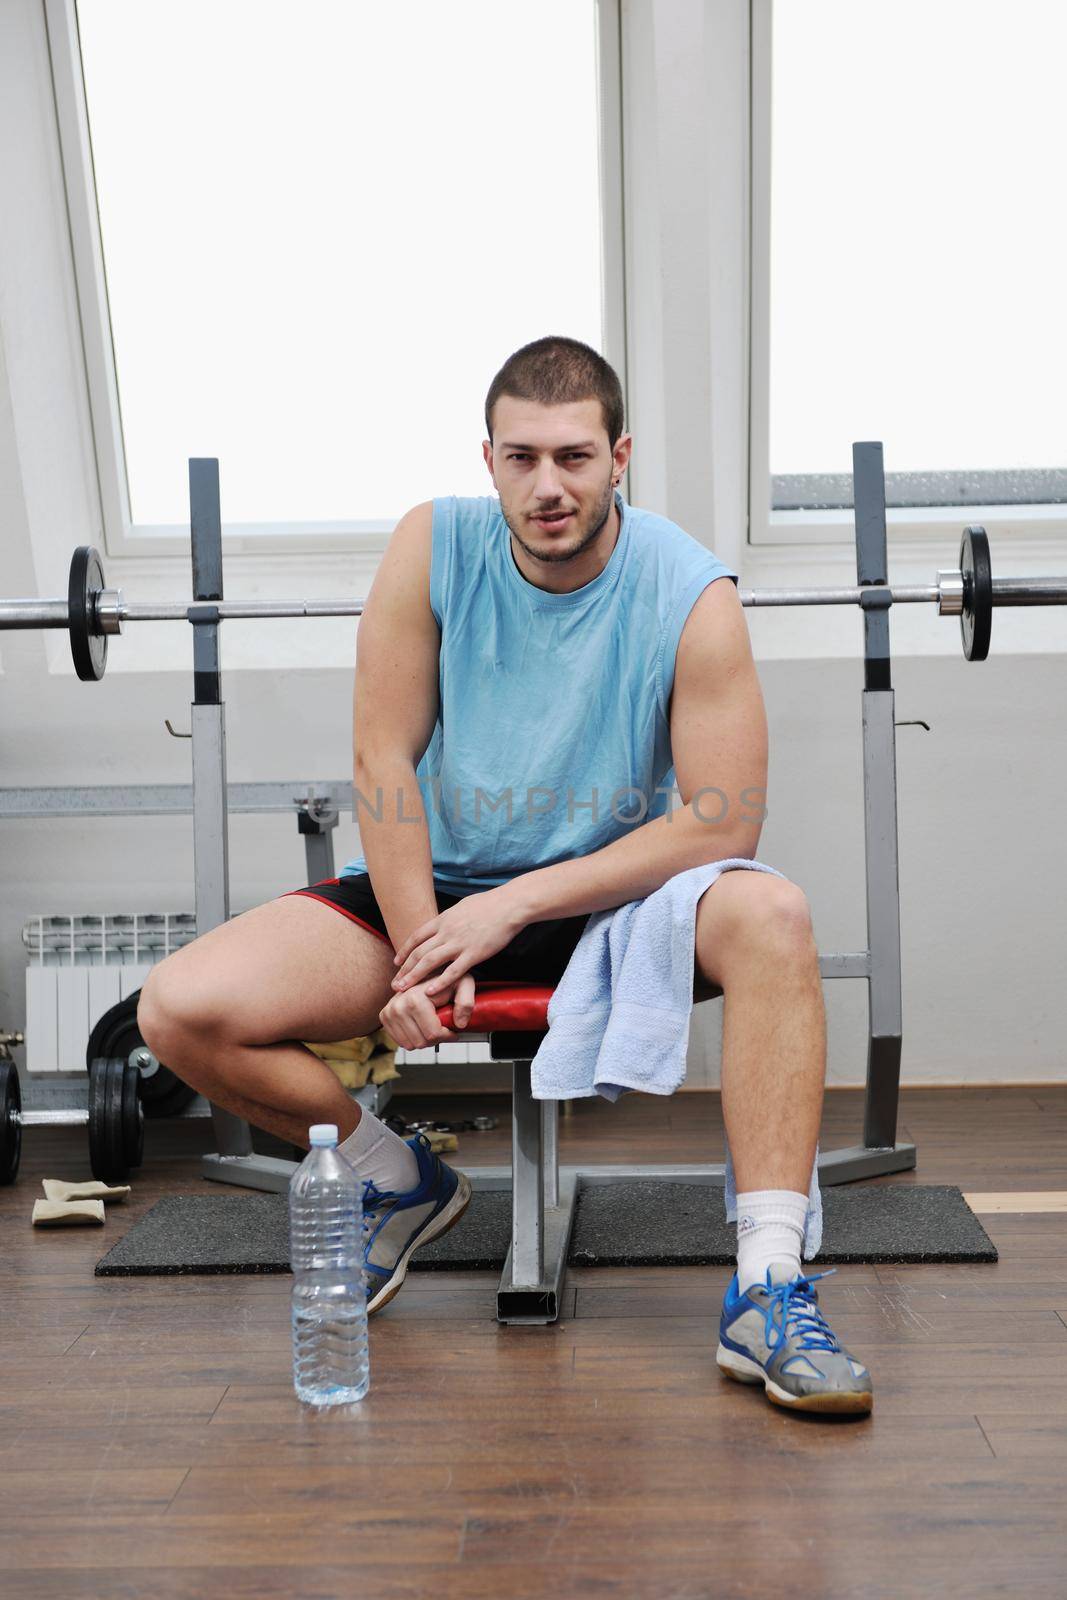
x: 377, y: 1152
x: 770, y: 1228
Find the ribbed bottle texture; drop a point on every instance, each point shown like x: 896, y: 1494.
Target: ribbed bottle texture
x: 330, y: 1355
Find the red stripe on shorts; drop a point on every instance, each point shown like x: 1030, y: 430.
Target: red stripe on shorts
x: 351, y: 915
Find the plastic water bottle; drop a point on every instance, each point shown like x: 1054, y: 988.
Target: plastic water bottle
x: 330, y: 1357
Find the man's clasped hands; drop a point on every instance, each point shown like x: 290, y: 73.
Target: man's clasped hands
x: 434, y: 965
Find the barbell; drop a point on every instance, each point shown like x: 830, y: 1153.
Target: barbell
x: 92, y: 613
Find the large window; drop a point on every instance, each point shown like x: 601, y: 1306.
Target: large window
x: 909, y: 248
x: 322, y: 228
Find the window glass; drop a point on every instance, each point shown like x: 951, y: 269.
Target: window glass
x: 917, y: 246
x: 325, y: 227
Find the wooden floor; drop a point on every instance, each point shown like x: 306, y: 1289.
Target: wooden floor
x: 151, y: 1445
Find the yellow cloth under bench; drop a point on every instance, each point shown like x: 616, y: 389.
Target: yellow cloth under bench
x: 373, y: 1059
x: 357, y: 1062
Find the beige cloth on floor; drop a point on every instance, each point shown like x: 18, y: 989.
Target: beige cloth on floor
x: 57, y: 1189
x: 66, y: 1213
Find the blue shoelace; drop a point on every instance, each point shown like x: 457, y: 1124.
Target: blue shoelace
x: 799, y: 1308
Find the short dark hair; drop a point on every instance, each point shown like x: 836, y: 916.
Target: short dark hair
x: 555, y: 371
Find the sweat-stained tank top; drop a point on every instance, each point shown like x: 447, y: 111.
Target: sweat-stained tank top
x: 552, y: 738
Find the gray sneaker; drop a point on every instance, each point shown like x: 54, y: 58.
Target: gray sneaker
x: 776, y: 1335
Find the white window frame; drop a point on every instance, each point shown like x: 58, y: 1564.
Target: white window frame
x: 1043, y: 525
x: 122, y: 537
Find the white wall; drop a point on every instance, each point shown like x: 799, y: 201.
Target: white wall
x: 981, y: 874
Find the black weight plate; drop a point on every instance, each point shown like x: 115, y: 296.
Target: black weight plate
x: 114, y: 1122
x: 106, y: 1157
x: 132, y: 1117
x: 99, y: 1150
x: 168, y: 1096
x: 116, y: 1034
x: 976, y: 620
x: 88, y: 646
x: 10, y: 1122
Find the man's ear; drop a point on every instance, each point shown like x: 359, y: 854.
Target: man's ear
x: 487, y: 452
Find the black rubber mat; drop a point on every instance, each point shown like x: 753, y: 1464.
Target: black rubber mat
x: 629, y: 1223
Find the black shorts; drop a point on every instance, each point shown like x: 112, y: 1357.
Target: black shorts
x: 538, y: 953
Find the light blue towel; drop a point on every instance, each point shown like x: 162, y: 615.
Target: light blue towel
x: 619, y: 1017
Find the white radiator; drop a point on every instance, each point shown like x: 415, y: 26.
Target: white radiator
x: 78, y: 967
x: 445, y: 1054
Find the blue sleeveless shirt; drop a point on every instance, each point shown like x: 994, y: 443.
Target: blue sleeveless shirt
x: 552, y: 737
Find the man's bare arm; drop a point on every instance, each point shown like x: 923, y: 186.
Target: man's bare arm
x: 395, y: 709
x: 719, y: 742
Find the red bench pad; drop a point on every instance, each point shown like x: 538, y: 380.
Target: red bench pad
x: 505, y: 1008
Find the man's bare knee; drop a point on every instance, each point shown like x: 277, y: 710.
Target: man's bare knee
x: 173, y: 1019
x: 742, y: 903
x: 745, y: 913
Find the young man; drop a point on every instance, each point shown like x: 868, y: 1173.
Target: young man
x: 533, y: 677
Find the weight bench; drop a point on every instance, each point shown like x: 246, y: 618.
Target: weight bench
x: 513, y: 1018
